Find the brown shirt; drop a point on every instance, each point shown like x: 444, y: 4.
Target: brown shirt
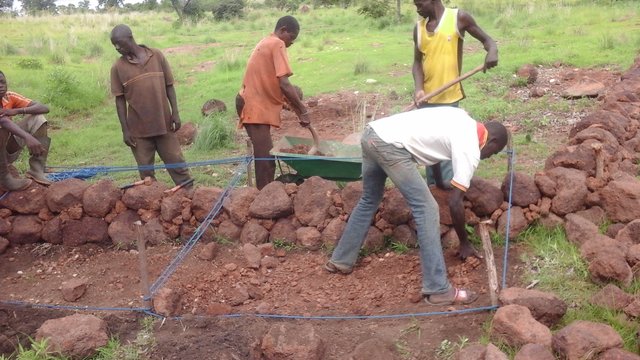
x: 261, y: 91
x: 144, y: 87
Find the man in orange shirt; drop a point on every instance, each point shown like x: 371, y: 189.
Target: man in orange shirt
x: 265, y: 88
x: 31, y: 132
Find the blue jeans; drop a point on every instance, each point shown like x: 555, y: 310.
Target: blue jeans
x: 379, y: 161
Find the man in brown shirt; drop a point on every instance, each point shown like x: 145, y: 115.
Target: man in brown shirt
x: 264, y: 89
x: 142, y: 78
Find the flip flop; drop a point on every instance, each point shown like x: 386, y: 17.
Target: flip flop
x: 337, y: 269
x: 460, y: 297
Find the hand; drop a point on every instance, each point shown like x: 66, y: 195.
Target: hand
x: 304, y: 119
x: 466, y: 249
x: 175, y: 122
x: 128, y: 139
x: 418, y: 96
x: 490, y: 61
x: 9, y: 112
x: 35, y: 147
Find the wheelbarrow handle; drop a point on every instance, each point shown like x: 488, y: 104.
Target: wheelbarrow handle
x: 444, y: 87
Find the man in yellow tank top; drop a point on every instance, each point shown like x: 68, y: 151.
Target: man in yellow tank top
x: 438, y: 39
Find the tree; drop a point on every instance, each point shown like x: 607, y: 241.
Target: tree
x: 31, y: 6
x: 6, y: 6
x: 108, y: 4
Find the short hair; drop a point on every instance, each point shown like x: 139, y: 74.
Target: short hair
x: 499, y: 132
x: 2, y: 73
x: 121, y: 30
x: 288, y: 22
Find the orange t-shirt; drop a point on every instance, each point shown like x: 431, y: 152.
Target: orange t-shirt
x: 13, y: 100
x: 261, y: 91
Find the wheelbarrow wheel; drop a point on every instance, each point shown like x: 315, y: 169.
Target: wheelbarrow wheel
x: 290, y: 179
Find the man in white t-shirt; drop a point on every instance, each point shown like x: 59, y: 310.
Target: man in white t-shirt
x: 391, y: 147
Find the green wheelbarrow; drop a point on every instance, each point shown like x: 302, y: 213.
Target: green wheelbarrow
x: 338, y: 162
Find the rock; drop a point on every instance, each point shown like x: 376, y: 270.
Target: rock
x: 611, y: 297
x: 99, y: 198
x: 283, y: 230
x: 239, y: 294
x: 374, y: 240
x: 571, y: 190
x: 204, y: 199
x: 254, y: 233
x: 309, y: 237
x: 171, y: 207
x: 4, y: 244
x: 229, y: 231
x: 618, y: 354
x: 607, y: 120
x: 395, y: 209
x: 524, y: 192
x: 292, y: 342
x: 122, y: 231
x: 534, y: 352
x: 272, y: 202
x: 581, y: 157
x: 518, y: 222
x: 144, y: 196
x: 28, y: 201
x: 630, y: 234
x: 594, y: 214
x: 333, y: 231
x: 586, y: 87
x: 5, y: 226
x: 216, y: 309
x: 493, y: 353
x: 633, y: 255
x: 472, y: 352
x: 252, y: 255
x: 313, y: 200
x: 514, y: 325
x: 372, y: 349
x: 545, y: 184
x: 238, y: 202
x: 621, y: 200
x: 213, y: 106
x: 485, y: 197
x: 613, y: 229
x: 167, y: 302
x: 403, y: 234
x: 609, y: 265
x: 76, y: 336
x: 64, y: 194
x: 351, y: 194
x: 73, y: 289
x: 579, y: 229
x: 154, y: 234
x: 528, y: 72
x: 546, y: 308
x: 585, y: 340
x: 87, y: 229
x: 208, y: 252
x: 551, y: 221
x: 597, y: 243
x: 187, y: 133
x: 26, y: 229
x: 52, y: 231
x: 633, y: 309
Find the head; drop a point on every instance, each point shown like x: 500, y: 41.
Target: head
x: 287, y: 29
x: 122, y: 39
x: 427, y: 8
x: 3, y: 85
x: 496, y: 141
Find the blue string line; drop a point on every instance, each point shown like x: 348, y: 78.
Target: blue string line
x: 4, y: 195
x: 107, y: 169
x: 512, y: 155
x: 188, y: 246
x: 71, y: 307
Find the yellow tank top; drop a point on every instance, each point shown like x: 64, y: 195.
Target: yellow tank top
x: 440, y: 57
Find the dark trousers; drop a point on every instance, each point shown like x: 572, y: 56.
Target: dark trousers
x: 260, y: 136
x: 168, y: 148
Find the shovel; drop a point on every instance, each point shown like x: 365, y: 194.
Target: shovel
x: 444, y: 87
x: 316, y: 142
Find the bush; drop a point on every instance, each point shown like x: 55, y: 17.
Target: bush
x: 375, y: 9
x: 228, y: 9
x: 284, y: 5
x: 66, y: 94
x: 29, y: 63
x: 217, y: 132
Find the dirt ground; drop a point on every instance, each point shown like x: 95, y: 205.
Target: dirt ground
x: 385, y: 283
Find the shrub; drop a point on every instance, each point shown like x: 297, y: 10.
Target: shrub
x: 284, y: 5
x: 228, y: 9
x: 66, y: 94
x: 217, y: 132
x: 95, y: 51
x: 375, y: 9
x: 29, y: 63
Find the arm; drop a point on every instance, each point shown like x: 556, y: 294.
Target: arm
x: 35, y: 147
x: 290, y: 93
x: 121, y: 109
x: 34, y: 108
x: 468, y: 24
x: 456, y: 208
x: 175, y: 115
x: 416, y: 70
x: 437, y: 177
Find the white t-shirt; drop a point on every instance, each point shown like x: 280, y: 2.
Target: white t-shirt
x: 435, y: 134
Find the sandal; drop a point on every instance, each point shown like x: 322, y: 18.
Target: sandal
x: 337, y: 269
x: 460, y: 297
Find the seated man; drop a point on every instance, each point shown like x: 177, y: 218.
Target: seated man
x: 31, y: 131
x: 391, y: 147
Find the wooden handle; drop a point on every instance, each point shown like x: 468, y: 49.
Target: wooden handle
x: 316, y: 141
x: 444, y: 87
